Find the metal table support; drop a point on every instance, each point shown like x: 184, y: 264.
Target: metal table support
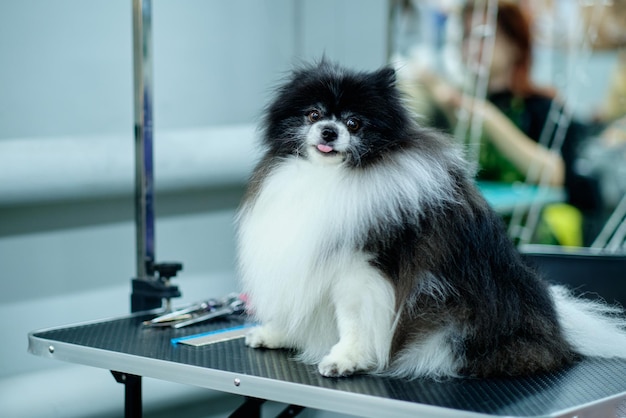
x: 144, y: 187
x: 151, y: 286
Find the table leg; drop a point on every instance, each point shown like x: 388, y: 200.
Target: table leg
x: 251, y: 408
x: 290, y: 411
x: 132, y: 393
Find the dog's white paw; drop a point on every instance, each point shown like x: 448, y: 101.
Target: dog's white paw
x: 341, y: 365
x: 264, y: 337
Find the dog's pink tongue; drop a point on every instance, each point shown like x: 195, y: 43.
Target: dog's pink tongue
x: 324, y: 148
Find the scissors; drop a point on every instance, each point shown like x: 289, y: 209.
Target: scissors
x: 199, y: 312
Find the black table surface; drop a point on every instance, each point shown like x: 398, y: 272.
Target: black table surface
x: 591, y: 387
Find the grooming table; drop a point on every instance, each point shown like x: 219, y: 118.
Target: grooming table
x: 590, y: 388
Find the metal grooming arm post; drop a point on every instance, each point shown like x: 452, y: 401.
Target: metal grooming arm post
x: 144, y: 179
x: 148, y: 290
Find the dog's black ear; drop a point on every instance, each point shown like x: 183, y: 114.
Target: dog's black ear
x: 386, y: 76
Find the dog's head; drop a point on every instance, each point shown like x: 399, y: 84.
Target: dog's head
x: 330, y: 115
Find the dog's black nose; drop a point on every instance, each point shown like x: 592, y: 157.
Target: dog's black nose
x: 329, y: 134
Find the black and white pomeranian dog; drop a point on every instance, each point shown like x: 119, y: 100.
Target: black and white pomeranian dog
x: 365, y: 245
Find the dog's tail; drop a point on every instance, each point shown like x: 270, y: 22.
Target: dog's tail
x: 592, y: 328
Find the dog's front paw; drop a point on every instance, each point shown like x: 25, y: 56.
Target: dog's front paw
x: 264, y: 337
x: 334, y: 365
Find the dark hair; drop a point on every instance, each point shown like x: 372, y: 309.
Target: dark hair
x: 515, y: 24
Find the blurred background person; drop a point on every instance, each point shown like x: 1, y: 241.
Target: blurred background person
x: 524, y: 134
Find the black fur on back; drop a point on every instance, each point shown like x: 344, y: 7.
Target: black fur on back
x: 503, y: 316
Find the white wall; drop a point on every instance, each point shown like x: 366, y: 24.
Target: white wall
x: 67, y: 64
x: 66, y: 78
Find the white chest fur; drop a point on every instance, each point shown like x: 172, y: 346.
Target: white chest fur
x: 301, y: 216
x: 308, y: 218
x: 300, y: 256
x: 301, y: 264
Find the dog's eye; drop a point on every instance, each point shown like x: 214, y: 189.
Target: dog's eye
x: 314, y: 115
x: 353, y: 124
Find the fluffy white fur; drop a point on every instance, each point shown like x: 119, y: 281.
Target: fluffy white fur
x: 431, y: 357
x: 308, y: 287
x: 592, y: 328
